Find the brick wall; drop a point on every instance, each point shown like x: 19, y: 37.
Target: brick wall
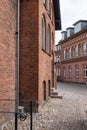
x: 7, y: 53
x: 45, y: 60
x: 29, y: 50
x: 35, y: 64
x: 77, y: 39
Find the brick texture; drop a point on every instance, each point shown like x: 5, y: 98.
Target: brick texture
x: 7, y: 53
x: 35, y: 64
x: 77, y: 39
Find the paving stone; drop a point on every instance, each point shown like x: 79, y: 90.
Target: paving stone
x: 68, y: 113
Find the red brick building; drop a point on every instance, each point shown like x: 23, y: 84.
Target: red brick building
x: 7, y: 55
x: 57, y: 62
x: 38, y: 21
x: 74, y: 53
x: 27, y: 31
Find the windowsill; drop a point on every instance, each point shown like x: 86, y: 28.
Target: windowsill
x: 46, y: 52
x: 49, y: 54
x: 43, y: 50
x: 77, y: 77
x: 70, y: 77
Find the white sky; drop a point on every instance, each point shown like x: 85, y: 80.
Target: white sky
x: 71, y: 11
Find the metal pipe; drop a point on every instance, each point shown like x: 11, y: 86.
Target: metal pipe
x: 18, y: 43
x: 31, y: 107
x: 16, y: 121
x: 17, y: 65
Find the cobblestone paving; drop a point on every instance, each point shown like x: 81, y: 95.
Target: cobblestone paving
x: 68, y: 113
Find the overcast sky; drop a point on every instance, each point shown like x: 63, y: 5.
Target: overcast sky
x: 71, y: 11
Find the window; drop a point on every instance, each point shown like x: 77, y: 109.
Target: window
x: 70, y: 56
x: 70, y: 71
x: 43, y: 33
x: 85, y: 71
x: 64, y: 72
x: 64, y: 54
x: 49, y: 41
x: 48, y: 6
x: 73, y: 52
x: 44, y: 90
x: 49, y: 88
x: 58, y: 59
x: 76, y: 51
x: 58, y: 71
x: 84, y: 48
x: 77, y: 71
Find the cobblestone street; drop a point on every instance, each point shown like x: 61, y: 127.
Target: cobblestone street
x: 68, y: 113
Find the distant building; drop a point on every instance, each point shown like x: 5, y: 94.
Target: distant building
x: 57, y: 61
x: 74, y: 53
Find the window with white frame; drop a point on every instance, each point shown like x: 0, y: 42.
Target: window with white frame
x: 77, y: 71
x: 70, y: 71
x: 76, y: 51
x: 48, y: 6
x: 84, y: 48
x: 49, y: 40
x: 64, y: 54
x: 58, y: 71
x: 70, y: 56
x: 58, y: 59
x: 67, y: 53
x: 64, y: 72
x: 43, y: 33
x: 73, y: 52
x: 85, y: 71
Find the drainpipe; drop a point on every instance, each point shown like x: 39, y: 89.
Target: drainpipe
x: 17, y: 51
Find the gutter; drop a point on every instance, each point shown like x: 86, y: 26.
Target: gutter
x: 18, y: 53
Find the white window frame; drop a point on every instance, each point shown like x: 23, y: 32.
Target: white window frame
x: 43, y: 33
x: 70, y: 53
x: 58, y: 59
x: 76, y: 71
x: 84, y: 49
x: 58, y: 71
x: 49, y: 41
x: 76, y: 51
x: 70, y: 71
x: 64, y: 71
x: 64, y: 54
x: 48, y: 6
x: 85, y: 71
